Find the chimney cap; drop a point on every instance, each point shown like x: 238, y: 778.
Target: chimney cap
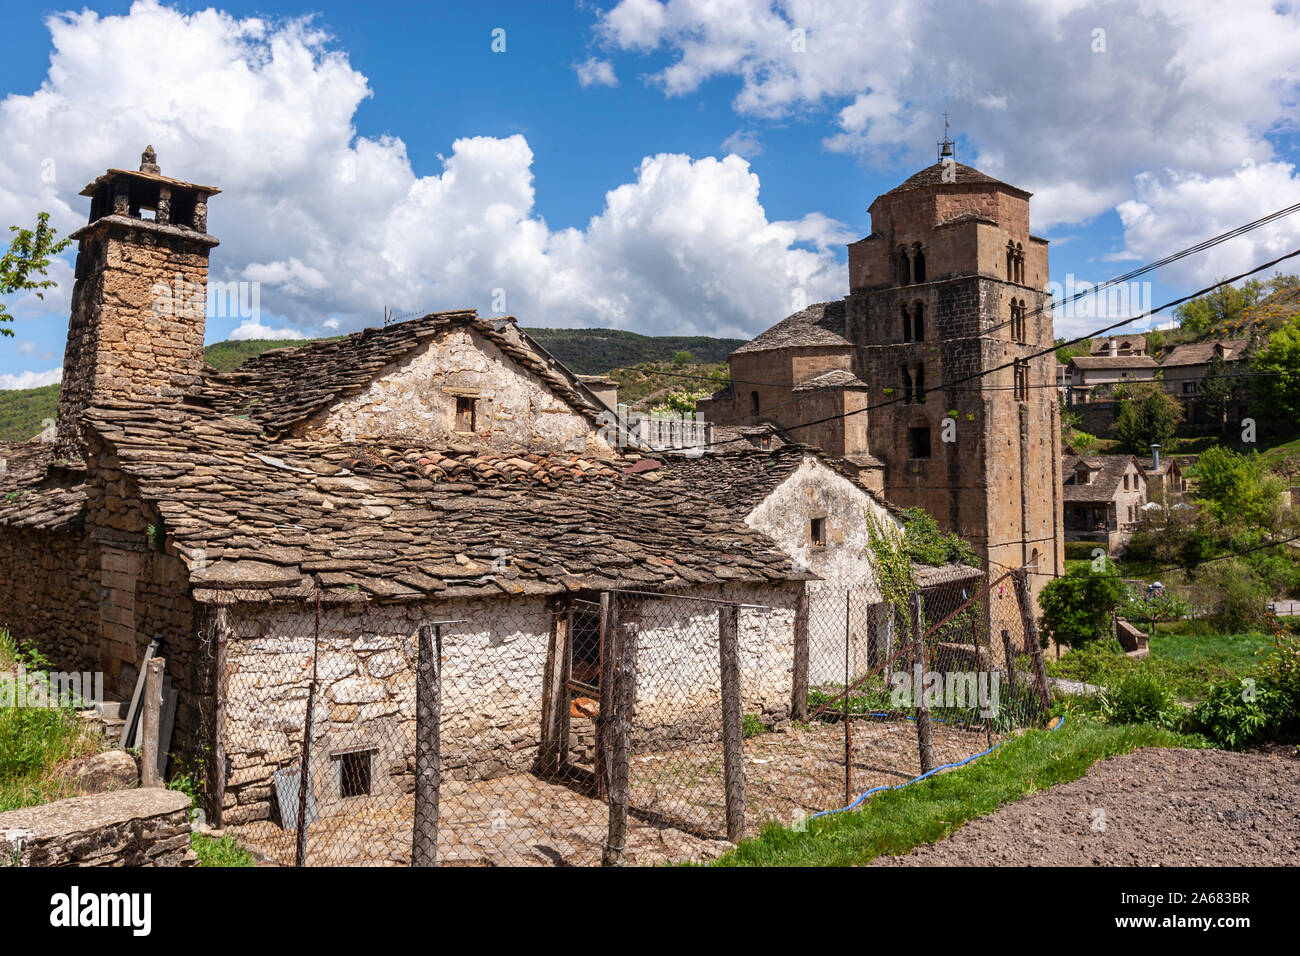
x: 149, y: 162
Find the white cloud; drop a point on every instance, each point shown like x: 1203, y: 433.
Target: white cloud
x: 30, y: 379
x: 254, y: 329
x: 595, y: 72
x: 743, y: 142
x: 1181, y: 85
x: 334, y: 226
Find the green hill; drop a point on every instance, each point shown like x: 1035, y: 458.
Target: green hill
x: 586, y: 351
x: 597, y: 351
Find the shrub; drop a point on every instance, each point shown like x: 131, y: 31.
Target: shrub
x: 753, y: 726
x: 1077, y: 607
x: 1240, y: 597
x: 1080, y: 550
x: 1238, y: 713
x: 1141, y: 697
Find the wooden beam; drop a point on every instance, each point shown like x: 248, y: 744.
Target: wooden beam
x: 150, y: 721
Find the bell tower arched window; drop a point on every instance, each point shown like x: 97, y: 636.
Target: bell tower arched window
x: 904, y: 266
x: 1020, y: 264
x: 907, y: 324
x: 918, y: 263
x: 918, y: 322
x: 1011, y: 261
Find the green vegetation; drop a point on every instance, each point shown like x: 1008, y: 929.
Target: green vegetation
x: 1066, y: 352
x: 35, y: 740
x: 1077, y: 607
x: 228, y: 356
x: 597, y: 351
x: 223, y: 851
x: 665, y: 386
x: 1147, y: 415
x: 27, y: 257
x: 924, y: 543
x: 23, y: 411
x: 896, y: 821
x: 753, y: 726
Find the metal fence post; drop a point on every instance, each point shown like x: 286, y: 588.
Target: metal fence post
x: 918, y: 689
x: 848, y: 722
x: 428, y: 748
x: 732, y: 721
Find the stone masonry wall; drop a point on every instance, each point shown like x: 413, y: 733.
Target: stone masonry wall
x: 49, y: 593
x: 417, y: 397
x: 119, y: 828
x: 492, y: 675
x: 136, y: 328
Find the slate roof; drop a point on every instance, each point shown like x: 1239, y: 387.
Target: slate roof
x: 269, y: 517
x: 37, y: 492
x: 1200, y: 353
x: 737, y: 439
x: 821, y: 324
x: 281, y: 387
x: 1107, y: 471
x: 834, y: 378
x: 1101, y: 362
x: 933, y: 176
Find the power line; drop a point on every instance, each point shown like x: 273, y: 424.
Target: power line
x: 1025, y: 359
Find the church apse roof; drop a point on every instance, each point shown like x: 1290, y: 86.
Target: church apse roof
x: 821, y: 324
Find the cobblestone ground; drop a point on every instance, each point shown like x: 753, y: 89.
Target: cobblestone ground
x: 677, y: 803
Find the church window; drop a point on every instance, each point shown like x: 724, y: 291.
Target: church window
x: 918, y: 442
x: 918, y: 322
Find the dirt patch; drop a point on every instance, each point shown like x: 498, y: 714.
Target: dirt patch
x: 677, y: 806
x: 1153, y: 807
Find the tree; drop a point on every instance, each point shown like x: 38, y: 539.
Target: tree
x: 1221, y: 391
x: 28, y: 257
x: 1147, y: 415
x: 1237, y: 488
x: 1155, y: 341
x: 1220, y: 309
x: 682, y: 357
x: 1077, y: 608
x: 1277, y: 368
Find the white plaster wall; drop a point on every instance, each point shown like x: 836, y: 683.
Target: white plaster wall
x: 416, y: 398
x: 844, y: 564
x: 492, y: 675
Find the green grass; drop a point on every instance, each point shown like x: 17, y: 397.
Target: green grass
x: 896, y: 821
x: 1189, y: 663
x: 223, y: 851
x: 35, y: 740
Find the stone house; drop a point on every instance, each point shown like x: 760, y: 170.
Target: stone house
x: 1130, y: 344
x: 1183, y: 370
x: 1104, y: 496
x: 949, y: 284
x: 1092, y: 378
x: 297, y: 520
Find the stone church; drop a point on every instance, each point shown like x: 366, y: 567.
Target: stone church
x: 922, y: 379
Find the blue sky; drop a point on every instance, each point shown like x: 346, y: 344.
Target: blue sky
x: 662, y: 167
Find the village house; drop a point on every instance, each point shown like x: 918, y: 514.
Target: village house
x: 291, y: 524
x: 1184, y: 368
x: 1134, y: 343
x: 1092, y: 378
x: 1104, y: 496
x: 947, y: 286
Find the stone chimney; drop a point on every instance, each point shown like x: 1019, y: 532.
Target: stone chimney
x: 138, y: 303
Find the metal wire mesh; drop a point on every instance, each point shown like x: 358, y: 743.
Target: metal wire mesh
x: 634, y: 727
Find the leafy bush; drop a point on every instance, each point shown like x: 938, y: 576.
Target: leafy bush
x: 1141, y: 697
x: 753, y: 726
x: 1077, y: 608
x: 924, y: 543
x: 1240, y: 597
x: 1080, y: 550
x: 1238, y: 713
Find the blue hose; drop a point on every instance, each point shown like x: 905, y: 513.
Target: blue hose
x: 947, y: 766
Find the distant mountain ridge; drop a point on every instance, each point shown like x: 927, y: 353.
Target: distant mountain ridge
x: 585, y: 351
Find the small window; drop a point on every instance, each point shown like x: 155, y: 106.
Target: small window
x: 465, y: 413
x: 354, y: 773
x: 918, y: 442
x: 753, y: 403
x: 766, y: 443
x: 1020, y: 380
x: 817, y: 531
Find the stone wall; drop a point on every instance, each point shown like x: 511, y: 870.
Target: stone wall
x: 136, y: 328
x: 416, y: 398
x: 49, y: 594
x: 492, y: 676
x: 119, y: 828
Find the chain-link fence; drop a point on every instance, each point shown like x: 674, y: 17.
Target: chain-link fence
x: 624, y: 727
